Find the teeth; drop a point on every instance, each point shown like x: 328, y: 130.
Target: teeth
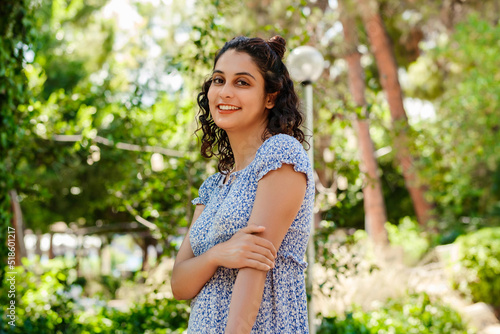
x: 224, y: 107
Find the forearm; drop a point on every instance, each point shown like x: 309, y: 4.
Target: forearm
x: 189, y: 276
x: 245, y: 300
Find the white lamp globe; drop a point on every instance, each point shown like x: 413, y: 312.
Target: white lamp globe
x: 305, y: 64
x: 157, y: 164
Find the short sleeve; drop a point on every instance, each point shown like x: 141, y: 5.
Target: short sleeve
x: 283, y: 149
x: 205, y: 190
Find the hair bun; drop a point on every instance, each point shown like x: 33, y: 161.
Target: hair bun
x: 278, y: 44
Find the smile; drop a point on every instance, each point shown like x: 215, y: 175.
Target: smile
x: 226, y: 107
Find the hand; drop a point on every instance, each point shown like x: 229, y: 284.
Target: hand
x: 246, y: 250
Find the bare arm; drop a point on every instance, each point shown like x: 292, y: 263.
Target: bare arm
x: 279, y: 196
x: 190, y: 273
x: 244, y: 249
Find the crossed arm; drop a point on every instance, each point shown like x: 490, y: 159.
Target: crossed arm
x: 279, y: 196
x: 244, y: 249
x: 253, y: 249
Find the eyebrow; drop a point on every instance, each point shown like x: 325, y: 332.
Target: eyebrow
x: 239, y: 73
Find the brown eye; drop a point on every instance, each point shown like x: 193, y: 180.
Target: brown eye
x: 217, y: 80
x: 242, y: 83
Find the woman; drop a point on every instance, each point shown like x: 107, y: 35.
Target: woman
x: 241, y: 262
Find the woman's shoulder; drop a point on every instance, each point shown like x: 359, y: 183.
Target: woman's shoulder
x: 206, y: 189
x: 212, y: 181
x: 281, y: 143
x: 279, y: 149
x: 214, y: 178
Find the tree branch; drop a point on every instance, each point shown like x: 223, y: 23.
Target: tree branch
x: 122, y: 146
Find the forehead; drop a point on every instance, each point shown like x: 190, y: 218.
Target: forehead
x: 232, y: 62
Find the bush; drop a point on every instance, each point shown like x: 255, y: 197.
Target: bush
x: 478, y: 266
x: 347, y: 325
x: 48, y: 300
x: 414, y: 314
x: 156, y: 316
x: 408, y: 235
x: 44, y: 300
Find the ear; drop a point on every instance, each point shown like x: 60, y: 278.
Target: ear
x: 271, y: 100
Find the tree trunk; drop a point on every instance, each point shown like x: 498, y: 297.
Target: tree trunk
x: 447, y: 11
x: 145, y: 256
x: 51, y: 246
x: 386, y: 62
x: 144, y: 243
x: 373, y: 198
x: 38, y: 249
x: 105, y: 256
x: 78, y: 252
x: 17, y: 224
x: 496, y: 6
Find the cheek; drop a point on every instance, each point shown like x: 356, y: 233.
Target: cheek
x: 211, y: 95
x: 211, y: 100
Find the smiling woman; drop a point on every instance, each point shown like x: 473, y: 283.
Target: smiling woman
x: 283, y: 117
x: 240, y: 95
x: 242, y: 261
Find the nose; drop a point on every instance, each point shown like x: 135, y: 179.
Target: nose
x: 226, y: 91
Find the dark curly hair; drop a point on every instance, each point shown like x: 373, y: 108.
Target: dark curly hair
x: 284, y: 117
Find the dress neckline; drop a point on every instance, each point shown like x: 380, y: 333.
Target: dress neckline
x: 233, y: 175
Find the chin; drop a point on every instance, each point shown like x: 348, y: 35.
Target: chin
x: 223, y: 125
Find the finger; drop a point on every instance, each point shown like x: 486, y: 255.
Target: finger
x: 250, y: 263
x: 253, y: 229
x: 263, y: 242
x: 265, y: 252
x: 262, y: 248
x: 262, y: 259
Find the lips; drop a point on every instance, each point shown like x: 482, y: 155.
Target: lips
x: 227, y: 108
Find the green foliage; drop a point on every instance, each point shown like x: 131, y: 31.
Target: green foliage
x: 415, y: 314
x: 339, y: 325
x: 49, y: 300
x: 154, y: 316
x: 425, y: 81
x: 460, y: 156
x: 478, y: 266
x: 44, y: 303
x: 409, y: 236
x: 344, y: 254
x: 110, y: 284
x: 84, y: 91
x: 16, y: 35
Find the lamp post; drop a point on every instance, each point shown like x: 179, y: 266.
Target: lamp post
x: 306, y: 65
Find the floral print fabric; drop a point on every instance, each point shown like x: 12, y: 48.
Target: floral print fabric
x: 227, y: 209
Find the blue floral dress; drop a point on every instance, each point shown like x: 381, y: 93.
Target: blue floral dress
x: 227, y: 209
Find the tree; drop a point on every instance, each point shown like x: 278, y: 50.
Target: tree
x: 88, y: 161
x: 462, y: 163
x: 386, y: 62
x: 16, y: 35
x: 374, y: 204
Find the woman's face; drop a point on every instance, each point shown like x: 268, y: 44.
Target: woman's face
x: 237, y: 98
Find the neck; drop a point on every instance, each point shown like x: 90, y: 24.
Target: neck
x: 244, y: 148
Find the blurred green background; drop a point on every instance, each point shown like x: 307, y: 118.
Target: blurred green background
x: 99, y: 160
